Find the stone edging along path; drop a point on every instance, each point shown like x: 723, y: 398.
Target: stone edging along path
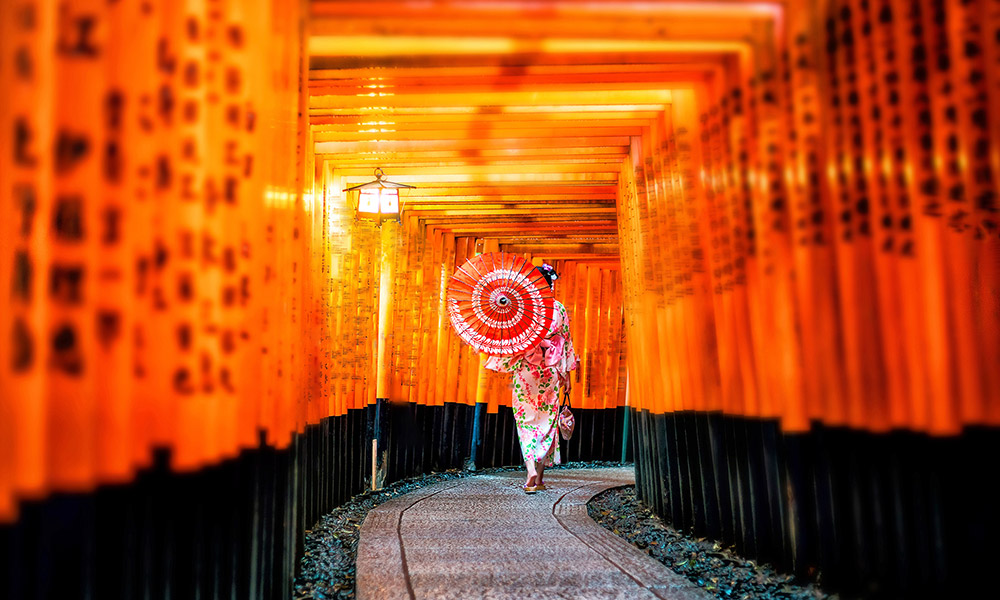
x: 327, y: 567
x: 483, y: 537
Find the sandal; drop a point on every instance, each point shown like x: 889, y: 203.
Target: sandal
x: 530, y: 489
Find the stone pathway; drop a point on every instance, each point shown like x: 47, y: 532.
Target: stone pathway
x: 482, y: 537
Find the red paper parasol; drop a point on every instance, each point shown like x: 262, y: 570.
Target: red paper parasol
x: 499, y: 304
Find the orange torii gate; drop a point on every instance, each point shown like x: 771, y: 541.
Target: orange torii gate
x: 775, y: 224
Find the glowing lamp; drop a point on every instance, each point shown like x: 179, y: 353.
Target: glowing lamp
x: 378, y: 200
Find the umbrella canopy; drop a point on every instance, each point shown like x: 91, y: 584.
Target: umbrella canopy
x: 499, y: 304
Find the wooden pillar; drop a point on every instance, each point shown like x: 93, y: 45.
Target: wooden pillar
x: 389, y: 232
x: 26, y: 173
x: 77, y: 194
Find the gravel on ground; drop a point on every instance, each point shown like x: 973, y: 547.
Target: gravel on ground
x: 718, y: 570
x: 327, y: 567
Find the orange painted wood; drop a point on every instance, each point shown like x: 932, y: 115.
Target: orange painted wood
x: 26, y: 192
x: 778, y: 227
x: 77, y: 186
x: 989, y: 266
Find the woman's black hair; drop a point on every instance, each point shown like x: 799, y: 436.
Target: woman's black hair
x: 548, y: 273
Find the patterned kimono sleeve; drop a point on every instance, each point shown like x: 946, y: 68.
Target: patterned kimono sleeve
x: 505, y: 364
x: 569, y: 360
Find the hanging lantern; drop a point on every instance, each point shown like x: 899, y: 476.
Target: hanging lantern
x: 378, y: 200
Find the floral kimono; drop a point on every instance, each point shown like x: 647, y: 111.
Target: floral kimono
x: 535, y: 399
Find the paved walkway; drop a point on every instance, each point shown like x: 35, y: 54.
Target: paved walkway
x: 482, y: 537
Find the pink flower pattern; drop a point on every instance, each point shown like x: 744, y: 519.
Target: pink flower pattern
x: 537, y: 380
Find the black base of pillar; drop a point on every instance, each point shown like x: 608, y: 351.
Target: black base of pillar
x: 232, y: 530
x: 879, y: 515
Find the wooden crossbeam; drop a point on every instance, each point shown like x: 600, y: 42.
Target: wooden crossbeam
x: 497, y: 98
x: 538, y: 84
x: 639, y: 27
x: 522, y: 220
x: 428, y: 120
x: 483, y: 156
x: 536, y: 232
x: 609, y: 262
x: 501, y: 74
x: 524, y: 190
x: 509, y: 207
x: 549, y: 10
x: 486, y: 127
x: 555, y: 200
x: 400, y: 45
x: 558, y: 248
x: 419, y: 179
x: 528, y: 211
x: 518, y: 59
x: 467, y: 144
x: 563, y: 237
x: 472, y: 131
x: 387, y: 110
x: 361, y: 173
x: 397, y: 166
x: 471, y: 226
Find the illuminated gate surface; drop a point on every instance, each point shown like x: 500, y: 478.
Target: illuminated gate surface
x: 775, y: 225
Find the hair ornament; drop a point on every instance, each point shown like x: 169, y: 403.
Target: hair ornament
x: 550, y: 270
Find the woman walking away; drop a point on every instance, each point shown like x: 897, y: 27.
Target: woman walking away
x: 539, y: 375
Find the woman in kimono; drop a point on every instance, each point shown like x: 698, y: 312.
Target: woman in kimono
x: 539, y: 376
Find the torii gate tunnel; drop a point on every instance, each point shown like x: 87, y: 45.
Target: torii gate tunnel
x: 775, y: 224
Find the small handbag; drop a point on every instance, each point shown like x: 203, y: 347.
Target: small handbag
x: 565, y: 418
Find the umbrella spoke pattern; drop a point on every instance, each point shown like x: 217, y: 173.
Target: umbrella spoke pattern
x: 499, y: 304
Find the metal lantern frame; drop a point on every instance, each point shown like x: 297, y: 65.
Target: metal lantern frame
x: 381, y: 195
